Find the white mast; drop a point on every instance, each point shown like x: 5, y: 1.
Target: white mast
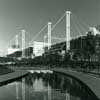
x: 49, y: 35
x: 16, y: 41
x: 68, y: 30
x: 23, y: 43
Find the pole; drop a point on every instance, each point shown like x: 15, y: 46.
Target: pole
x: 33, y: 45
x: 23, y: 43
x: 49, y: 35
x: 68, y: 30
x: 44, y: 42
x: 16, y: 41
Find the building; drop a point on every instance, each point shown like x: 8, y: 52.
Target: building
x: 83, y: 48
x: 38, y: 48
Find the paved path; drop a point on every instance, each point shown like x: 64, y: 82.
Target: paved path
x: 12, y: 76
x: 92, y: 82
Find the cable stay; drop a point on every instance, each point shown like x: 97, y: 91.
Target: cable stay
x: 77, y: 25
x: 54, y: 26
x: 38, y: 33
x: 84, y: 23
x: 72, y: 37
x: 83, y: 27
x: 78, y: 30
x: 59, y: 20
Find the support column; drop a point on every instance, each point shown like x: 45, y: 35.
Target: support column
x: 68, y: 30
x: 23, y: 43
x: 16, y: 41
x: 33, y: 50
x: 49, y: 35
x: 44, y: 42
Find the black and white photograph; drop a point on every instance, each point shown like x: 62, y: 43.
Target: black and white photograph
x: 49, y: 49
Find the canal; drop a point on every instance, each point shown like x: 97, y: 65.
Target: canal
x: 46, y: 85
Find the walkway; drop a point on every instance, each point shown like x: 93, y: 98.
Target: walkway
x: 92, y: 82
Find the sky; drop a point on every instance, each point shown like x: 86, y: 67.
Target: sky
x: 32, y: 15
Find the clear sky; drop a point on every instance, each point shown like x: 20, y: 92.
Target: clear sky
x: 32, y: 15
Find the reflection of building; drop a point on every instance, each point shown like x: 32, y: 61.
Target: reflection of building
x: 38, y: 48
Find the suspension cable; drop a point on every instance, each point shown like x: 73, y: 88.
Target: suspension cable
x: 83, y: 25
x: 59, y: 20
x: 38, y: 33
x: 74, y: 25
x: 77, y: 25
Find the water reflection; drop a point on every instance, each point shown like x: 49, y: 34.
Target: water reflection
x: 46, y: 86
x: 17, y: 91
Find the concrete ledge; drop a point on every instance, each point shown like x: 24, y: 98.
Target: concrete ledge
x: 92, y: 82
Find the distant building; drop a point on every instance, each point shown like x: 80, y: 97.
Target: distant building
x: 28, y: 52
x: 38, y: 48
x: 94, y: 30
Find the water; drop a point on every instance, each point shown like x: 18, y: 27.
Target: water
x: 45, y: 86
